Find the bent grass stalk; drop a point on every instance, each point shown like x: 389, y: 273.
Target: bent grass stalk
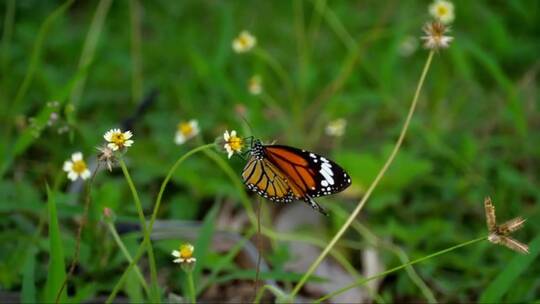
x: 146, y: 238
x: 384, y: 273
x: 373, y: 185
x: 126, y: 254
x: 154, y: 293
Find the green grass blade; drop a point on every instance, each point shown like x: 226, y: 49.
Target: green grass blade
x: 57, y: 267
x: 28, y: 293
x: 204, y: 241
x: 512, y: 271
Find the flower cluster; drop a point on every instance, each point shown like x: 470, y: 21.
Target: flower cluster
x: 336, y: 127
x: 76, y: 167
x: 255, y: 85
x: 186, y: 130
x: 184, y: 256
x: 244, y: 42
x: 233, y: 144
x: 442, y: 11
x: 118, y: 140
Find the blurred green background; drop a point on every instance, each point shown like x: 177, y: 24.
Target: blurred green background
x: 475, y: 132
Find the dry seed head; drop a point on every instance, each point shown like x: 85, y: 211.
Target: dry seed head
x: 511, y: 225
x: 435, y: 37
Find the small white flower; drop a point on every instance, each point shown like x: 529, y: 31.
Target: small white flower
x: 186, y: 131
x: 118, y: 139
x: 336, y: 127
x: 233, y: 143
x: 244, y: 42
x: 442, y: 11
x: 435, y: 36
x: 255, y: 85
x: 408, y: 46
x: 184, y: 255
x: 76, y: 167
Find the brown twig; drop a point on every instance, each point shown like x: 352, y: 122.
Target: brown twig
x: 87, y: 202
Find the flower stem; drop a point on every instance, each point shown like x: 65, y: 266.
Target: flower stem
x: 126, y: 254
x: 154, y: 292
x: 373, y: 185
x: 191, y: 287
x: 384, y: 273
x: 146, y: 238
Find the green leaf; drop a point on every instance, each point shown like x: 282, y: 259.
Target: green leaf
x: 56, y: 273
x: 202, y: 245
x: 28, y: 293
x: 512, y: 271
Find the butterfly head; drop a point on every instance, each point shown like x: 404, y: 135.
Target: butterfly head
x: 257, y: 149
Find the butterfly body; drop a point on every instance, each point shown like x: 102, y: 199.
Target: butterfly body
x: 286, y: 174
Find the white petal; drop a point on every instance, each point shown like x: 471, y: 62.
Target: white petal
x: 128, y: 134
x: 85, y: 174
x: 177, y: 261
x: 72, y: 176
x: 175, y: 253
x: 112, y: 146
x: 179, y: 138
x: 68, y: 165
x: 233, y: 133
x: 128, y: 143
x: 230, y: 153
x: 226, y: 135
x: 76, y: 156
x: 108, y: 135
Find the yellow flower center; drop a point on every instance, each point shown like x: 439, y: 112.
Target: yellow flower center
x: 235, y: 143
x: 442, y: 10
x: 244, y: 40
x: 118, y: 139
x: 186, y: 251
x: 79, y: 166
x: 185, y: 128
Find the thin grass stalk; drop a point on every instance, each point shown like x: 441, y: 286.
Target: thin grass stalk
x: 90, y: 44
x: 402, y: 256
x: 146, y: 238
x: 154, y: 292
x: 127, y: 255
x: 384, y: 273
x: 373, y: 185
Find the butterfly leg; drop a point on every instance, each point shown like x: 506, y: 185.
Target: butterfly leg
x: 309, y: 200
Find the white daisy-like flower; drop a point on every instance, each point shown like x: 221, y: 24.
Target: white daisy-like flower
x: 255, y: 85
x: 244, y: 42
x: 435, y: 36
x: 76, y: 167
x: 118, y: 140
x: 442, y: 11
x: 184, y: 254
x: 336, y: 127
x: 233, y: 144
x: 186, y: 131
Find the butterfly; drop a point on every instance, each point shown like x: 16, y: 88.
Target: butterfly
x: 286, y: 174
